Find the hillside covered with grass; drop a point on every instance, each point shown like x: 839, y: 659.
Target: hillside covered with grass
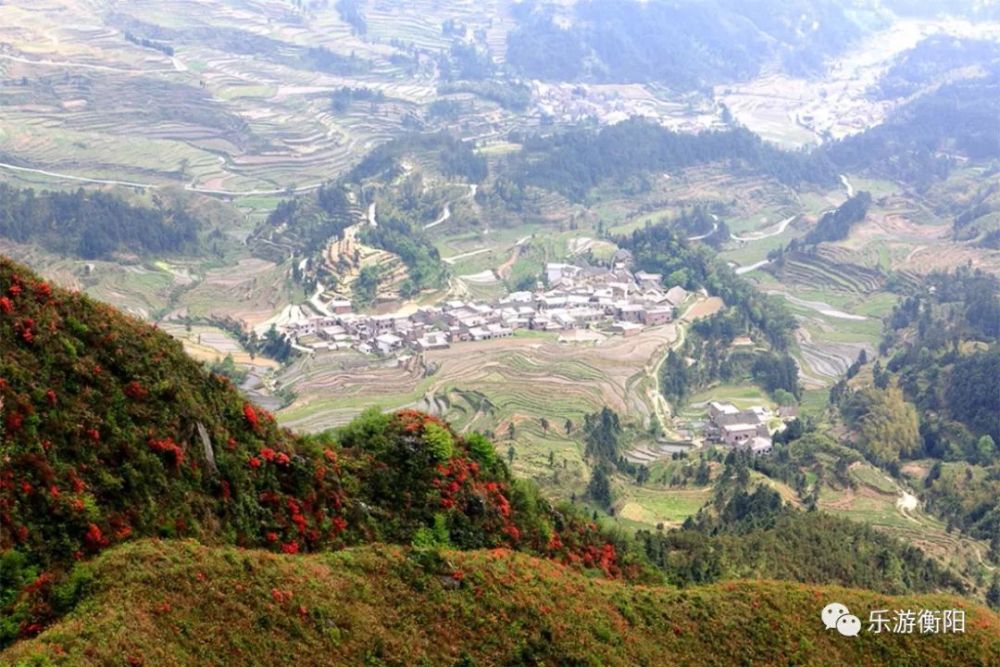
x: 181, y: 603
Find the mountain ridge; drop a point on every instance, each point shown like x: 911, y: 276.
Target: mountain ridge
x: 186, y: 603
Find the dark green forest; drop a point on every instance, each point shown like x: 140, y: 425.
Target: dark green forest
x: 755, y: 535
x: 574, y: 162
x: 93, y: 224
x: 836, y: 225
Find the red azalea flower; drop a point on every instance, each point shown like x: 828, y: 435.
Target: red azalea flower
x: 15, y: 290
x: 168, y: 446
x: 6, y: 305
x: 95, y: 538
x: 50, y: 396
x: 135, y: 390
x: 290, y: 547
x: 254, y: 462
x: 272, y: 536
x: 251, y: 416
x: 283, y: 459
x: 14, y: 421
x: 267, y: 454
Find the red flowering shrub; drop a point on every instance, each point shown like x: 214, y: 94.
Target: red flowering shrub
x: 26, y: 328
x: 167, y: 446
x: 94, y: 538
x: 135, y: 390
x: 251, y: 416
x: 115, y: 458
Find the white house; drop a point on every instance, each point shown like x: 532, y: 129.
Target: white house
x: 388, y: 343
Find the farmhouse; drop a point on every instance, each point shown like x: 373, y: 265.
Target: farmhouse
x: 652, y: 317
x: 388, y: 343
x: 490, y: 332
x: 339, y: 306
x: 676, y: 295
x: 741, y: 434
x: 648, y: 281
x: 761, y: 445
x: 631, y: 312
x: 555, y: 272
x: 715, y: 409
x: 434, y: 340
x: 740, y: 429
x: 626, y: 329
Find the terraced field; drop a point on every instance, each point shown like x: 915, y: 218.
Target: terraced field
x: 223, y: 121
x: 525, y: 377
x: 252, y: 292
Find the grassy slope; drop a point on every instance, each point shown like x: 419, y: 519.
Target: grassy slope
x: 181, y: 603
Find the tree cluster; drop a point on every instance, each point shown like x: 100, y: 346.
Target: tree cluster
x: 93, y: 224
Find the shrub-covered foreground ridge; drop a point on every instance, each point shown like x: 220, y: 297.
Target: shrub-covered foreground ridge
x: 174, y: 602
x: 110, y: 432
x: 116, y: 446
